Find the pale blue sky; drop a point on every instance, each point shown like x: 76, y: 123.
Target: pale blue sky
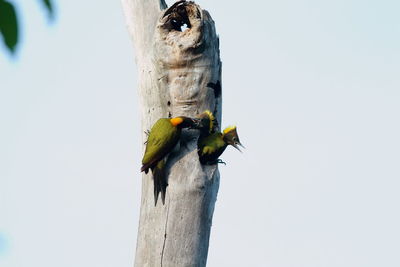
x: 312, y: 85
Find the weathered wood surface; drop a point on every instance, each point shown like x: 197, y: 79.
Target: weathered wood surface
x: 175, y: 69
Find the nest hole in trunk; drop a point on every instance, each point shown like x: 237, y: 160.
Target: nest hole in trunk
x: 178, y: 17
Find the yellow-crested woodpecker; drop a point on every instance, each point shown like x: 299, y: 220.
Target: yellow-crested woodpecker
x: 212, y: 144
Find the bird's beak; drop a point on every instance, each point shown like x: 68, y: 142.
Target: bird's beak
x: 197, y: 124
x: 237, y: 146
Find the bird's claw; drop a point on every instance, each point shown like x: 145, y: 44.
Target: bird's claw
x: 147, y: 133
x: 217, y: 161
x: 221, y: 161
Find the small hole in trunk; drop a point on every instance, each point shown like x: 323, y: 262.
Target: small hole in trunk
x: 184, y: 27
x: 179, y: 26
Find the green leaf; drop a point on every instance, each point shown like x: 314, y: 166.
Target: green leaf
x: 8, y: 25
x: 49, y: 7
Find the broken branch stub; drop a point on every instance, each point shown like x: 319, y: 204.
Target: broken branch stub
x: 175, y: 72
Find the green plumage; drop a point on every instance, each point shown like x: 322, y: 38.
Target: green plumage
x: 162, y: 139
x: 211, y: 147
x: 212, y: 144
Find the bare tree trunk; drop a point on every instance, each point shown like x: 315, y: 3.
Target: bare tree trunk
x: 176, y: 68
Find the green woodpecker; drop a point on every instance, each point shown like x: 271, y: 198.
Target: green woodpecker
x: 212, y: 144
x: 163, y: 137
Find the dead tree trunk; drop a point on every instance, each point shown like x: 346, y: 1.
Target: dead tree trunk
x: 177, y: 68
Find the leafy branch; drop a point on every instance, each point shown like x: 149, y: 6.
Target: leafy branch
x: 9, y: 25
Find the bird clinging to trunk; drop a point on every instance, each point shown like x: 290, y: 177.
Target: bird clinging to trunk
x: 163, y: 137
x: 211, y: 143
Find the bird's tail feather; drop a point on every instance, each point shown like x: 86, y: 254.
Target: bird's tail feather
x: 160, y: 182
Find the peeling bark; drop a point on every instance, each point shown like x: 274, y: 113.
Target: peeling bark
x: 179, y: 74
